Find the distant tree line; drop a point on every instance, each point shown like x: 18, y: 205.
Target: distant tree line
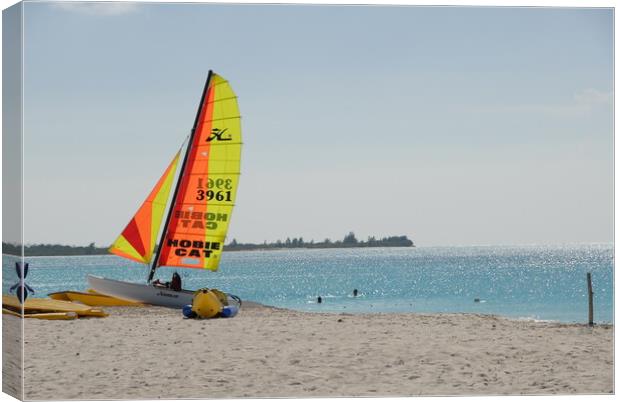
x: 348, y: 241
x: 52, y: 249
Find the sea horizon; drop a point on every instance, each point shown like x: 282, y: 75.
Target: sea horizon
x: 427, y: 246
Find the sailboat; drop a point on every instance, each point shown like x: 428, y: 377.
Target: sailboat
x: 196, y: 218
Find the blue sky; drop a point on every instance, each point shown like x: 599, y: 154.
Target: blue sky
x: 451, y: 125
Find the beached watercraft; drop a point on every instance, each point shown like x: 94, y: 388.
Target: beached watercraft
x: 44, y: 305
x: 140, y: 293
x: 196, y: 219
x: 91, y: 298
x: 43, y: 316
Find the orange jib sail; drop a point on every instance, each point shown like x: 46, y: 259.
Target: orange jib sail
x: 137, y: 241
x: 207, y: 188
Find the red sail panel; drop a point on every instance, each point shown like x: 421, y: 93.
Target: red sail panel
x: 207, y: 188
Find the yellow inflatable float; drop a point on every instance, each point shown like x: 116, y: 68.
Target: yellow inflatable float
x: 210, y: 303
x: 206, y: 303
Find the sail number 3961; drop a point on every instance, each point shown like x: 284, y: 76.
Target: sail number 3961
x: 225, y: 194
x: 213, y: 195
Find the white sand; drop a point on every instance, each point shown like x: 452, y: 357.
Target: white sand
x: 11, y: 356
x: 263, y: 352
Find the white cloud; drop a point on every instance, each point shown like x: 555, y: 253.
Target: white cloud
x: 98, y: 8
x: 582, y: 104
x: 592, y: 96
x: 571, y: 109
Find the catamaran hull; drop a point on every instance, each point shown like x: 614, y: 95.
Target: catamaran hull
x: 141, y: 293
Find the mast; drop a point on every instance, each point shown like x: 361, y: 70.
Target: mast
x: 181, y: 173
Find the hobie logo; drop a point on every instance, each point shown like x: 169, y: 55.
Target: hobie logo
x: 216, y: 134
x: 167, y: 295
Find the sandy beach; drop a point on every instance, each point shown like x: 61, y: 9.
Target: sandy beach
x: 11, y: 356
x: 153, y: 352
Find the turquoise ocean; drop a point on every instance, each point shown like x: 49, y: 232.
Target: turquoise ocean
x: 523, y: 282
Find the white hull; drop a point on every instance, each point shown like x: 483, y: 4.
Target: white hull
x: 137, y: 292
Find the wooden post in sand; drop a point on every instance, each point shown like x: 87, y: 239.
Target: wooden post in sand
x: 590, y: 301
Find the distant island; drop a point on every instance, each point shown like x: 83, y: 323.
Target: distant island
x: 33, y: 250
x: 349, y: 241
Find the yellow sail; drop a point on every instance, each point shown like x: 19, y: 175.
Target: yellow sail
x: 137, y: 241
x: 207, y: 187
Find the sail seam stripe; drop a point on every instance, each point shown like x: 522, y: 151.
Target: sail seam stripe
x: 202, y: 174
x: 211, y: 203
x: 222, y: 118
x: 223, y: 144
x: 221, y: 100
x: 211, y: 236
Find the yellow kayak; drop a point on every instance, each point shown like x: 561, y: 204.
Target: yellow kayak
x: 59, y: 296
x: 91, y: 298
x: 44, y: 316
x: 44, y: 305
